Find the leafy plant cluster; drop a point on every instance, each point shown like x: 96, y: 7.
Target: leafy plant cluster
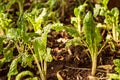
x: 26, y: 44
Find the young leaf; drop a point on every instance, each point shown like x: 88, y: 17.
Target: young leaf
x: 48, y: 57
x: 115, y: 11
x: 26, y: 60
x: 105, y: 2
x: 91, y: 31
x: 89, y: 28
x: 13, y: 33
x: 76, y: 12
x: 73, y: 42
x: 81, y: 9
x: 72, y: 31
x: 117, y: 64
x: 8, y: 55
x: 93, y: 39
x: 40, y: 42
x: 58, y: 27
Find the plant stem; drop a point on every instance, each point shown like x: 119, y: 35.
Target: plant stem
x: 39, y: 68
x: 42, y: 77
x: 45, y: 68
x: 79, y: 26
x: 113, y: 31
x: 94, y: 64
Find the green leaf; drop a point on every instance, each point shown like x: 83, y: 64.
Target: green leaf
x: 58, y: 27
x: 80, y: 10
x: 105, y: 2
x: 117, y: 69
x: 115, y: 11
x: 52, y: 3
x: 72, y: 31
x: 74, y: 21
x: 48, y: 57
x: 117, y: 62
x: 40, y: 43
x: 8, y: 55
x: 22, y: 74
x: 13, y: 68
x: 73, y: 42
x: 10, y: 3
x: 76, y: 12
x: 118, y: 29
x: 92, y: 34
x: 26, y: 60
x: 22, y: 26
x: 13, y: 33
x: 89, y: 28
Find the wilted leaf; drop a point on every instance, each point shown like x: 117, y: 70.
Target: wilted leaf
x: 22, y: 74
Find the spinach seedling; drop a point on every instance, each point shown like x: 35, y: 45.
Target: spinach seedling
x: 79, y: 13
x: 41, y: 52
x: 111, y: 21
x: 117, y: 69
x: 93, y: 39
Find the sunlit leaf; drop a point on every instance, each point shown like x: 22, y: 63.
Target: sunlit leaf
x: 40, y: 43
x: 26, y: 60
x: 76, y: 12
x: 58, y: 27
x: 117, y: 62
x: 105, y: 2
x: 115, y: 12
x: 48, y: 57
x: 13, y: 33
